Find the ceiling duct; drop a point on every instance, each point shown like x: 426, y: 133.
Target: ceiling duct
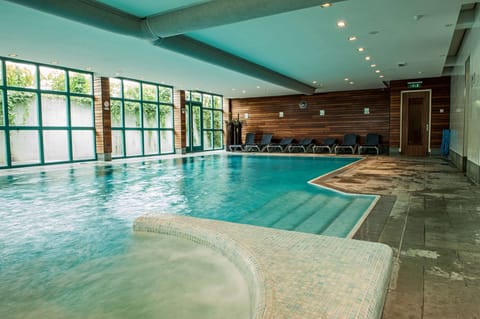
x: 108, y: 18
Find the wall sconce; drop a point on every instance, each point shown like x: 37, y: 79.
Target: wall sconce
x: 245, y: 115
x: 322, y: 112
x: 182, y: 110
x: 366, y: 110
x: 280, y: 114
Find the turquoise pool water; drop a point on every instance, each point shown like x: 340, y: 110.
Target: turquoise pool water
x: 54, y: 222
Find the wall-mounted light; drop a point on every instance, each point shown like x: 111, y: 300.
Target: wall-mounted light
x: 366, y: 110
x: 280, y: 114
x: 322, y: 112
x: 245, y: 115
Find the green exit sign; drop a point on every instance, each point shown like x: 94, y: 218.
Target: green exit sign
x: 414, y: 85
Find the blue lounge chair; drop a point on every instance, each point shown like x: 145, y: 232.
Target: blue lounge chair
x: 282, y: 146
x: 304, y: 145
x: 328, y: 144
x: 260, y: 147
x: 249, y: 140
x: 372, y: 141
x: 349, y: 143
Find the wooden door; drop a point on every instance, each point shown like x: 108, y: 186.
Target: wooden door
x: 415, y: 123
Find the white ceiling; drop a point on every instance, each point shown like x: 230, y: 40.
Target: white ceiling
x: 304, y: 44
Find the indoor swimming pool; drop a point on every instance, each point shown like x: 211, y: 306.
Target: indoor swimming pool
x: 64, y: 229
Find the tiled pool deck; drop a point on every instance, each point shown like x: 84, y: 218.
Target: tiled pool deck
x: 433, y: 228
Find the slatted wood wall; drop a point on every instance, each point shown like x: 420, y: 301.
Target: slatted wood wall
x: 344, y: 113
x: 103, y: 126
x: 440, y: 102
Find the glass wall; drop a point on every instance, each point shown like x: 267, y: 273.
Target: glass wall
x: 46, y: 114
x: 142, y: 118
x: 212, y: 119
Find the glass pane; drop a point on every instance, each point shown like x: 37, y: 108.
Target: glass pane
x: 55, y: 146
x: 217, y: 140
x: 133, y: 142
x: 116, y: 113
x: 80, y: 82
x: 196, y: 126
x: 81, y: 110
x: 24, y: 147
x: 1, y: 73
x: 207, y: 140
x: 3, y: 149
x: 2, y: 120
x: 207, y: 119
x: 217, y: 102
x: 415, y: 126
x: 83, y: 146
x: 207, y: 101
x: 187, y: 121
x: 150, y: 119
x: 166, y: 141
x: 187, y: 95
x: 150, y: 142
x: 165, y: 94
x: 21, y: 75
x: 117, y: 143
x: 166, y: 116
x: 115, y: 87
x: 131, y: 90
x: 149, y: 92
x: 196, y: 96
x: 54, y: 110
x: 217, y: 119
x: 132, y: 114
x: 22, y: 108
x: 52, y: 79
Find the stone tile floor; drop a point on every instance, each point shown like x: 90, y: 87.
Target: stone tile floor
x: 431, y: 219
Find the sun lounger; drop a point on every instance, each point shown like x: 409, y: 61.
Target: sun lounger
x: 249, y: 140
x: 327, y: 144
x: 372, y: 141
x: 282, y: 146
x: 349, y: 143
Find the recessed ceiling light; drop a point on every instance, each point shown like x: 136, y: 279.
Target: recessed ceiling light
x: 88, y: 68
x: 352, y: 38
x: 314, y: 82
x: 351, y: 82
x: 233, y: 89
x: 12, y: 55
x: 346, y: 79
x: 117, y: 73
x: 377, y: 71
x: 244, y: 91
x: 341, y: 24
x: 258, y: 86
x: 367, y: 58
x: 420, y: 72
x: 361, y: 49
x: 326, y: 5
x: 54, y: 62
x: 381, y: 76
x: 418, y: 17
x: 373, y: 65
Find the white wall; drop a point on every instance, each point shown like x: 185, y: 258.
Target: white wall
x: 471, y: 108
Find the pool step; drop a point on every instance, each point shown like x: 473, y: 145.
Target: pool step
x: 308, y: 208
x: 348, y: 218
x: 275, y: 209
x: 319, y: 221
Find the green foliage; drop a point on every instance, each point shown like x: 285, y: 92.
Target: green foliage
x: 18, y: 77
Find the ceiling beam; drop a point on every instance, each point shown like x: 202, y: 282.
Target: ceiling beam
x: 466, y: 19
x: 98, y: 15
x: 217, y: 13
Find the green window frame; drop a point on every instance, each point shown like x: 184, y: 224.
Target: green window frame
x: 212, y: 115
x: 142, y: 117
x: 46, y: 114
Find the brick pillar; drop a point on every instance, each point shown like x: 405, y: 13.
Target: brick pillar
x: 180, y: 125
x: 103, y: 125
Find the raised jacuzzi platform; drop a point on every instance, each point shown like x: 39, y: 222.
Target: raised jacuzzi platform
x: 292, y: 274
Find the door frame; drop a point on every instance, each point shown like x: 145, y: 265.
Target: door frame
x: 429, y: 117
x: 189, y: 127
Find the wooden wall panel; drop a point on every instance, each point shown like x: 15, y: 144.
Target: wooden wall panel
x: 103, y: 127
x: 343, y: 114
x: 440, y: 112
x: 179, y: 124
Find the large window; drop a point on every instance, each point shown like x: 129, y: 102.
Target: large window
x: 46, y: 114
x: 211, y: 128
x: 142, y: 118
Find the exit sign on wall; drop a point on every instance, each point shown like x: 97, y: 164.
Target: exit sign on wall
x: 414, y: 85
